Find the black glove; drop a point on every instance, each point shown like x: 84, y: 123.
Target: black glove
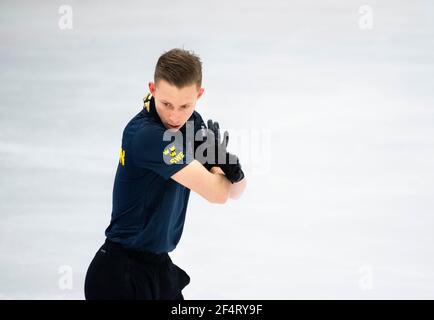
x: 201, y: 139
x: 229, y: 163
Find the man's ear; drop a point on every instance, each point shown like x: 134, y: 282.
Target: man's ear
x: 200, y: 93
x: 151, y: 88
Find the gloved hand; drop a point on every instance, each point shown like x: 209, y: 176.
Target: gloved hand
x: 229, y: 163
x: 201, y: 141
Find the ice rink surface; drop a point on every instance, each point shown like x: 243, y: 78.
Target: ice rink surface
x: 335, y: 127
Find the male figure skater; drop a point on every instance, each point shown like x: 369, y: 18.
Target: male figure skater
x: 153, y: 183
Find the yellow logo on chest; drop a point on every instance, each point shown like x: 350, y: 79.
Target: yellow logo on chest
x: 174, y: 156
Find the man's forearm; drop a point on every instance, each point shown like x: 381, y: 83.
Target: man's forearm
x: 236, y: 189
x: 222, y: 185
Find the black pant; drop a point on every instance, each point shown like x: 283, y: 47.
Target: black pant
x: 118, y: 273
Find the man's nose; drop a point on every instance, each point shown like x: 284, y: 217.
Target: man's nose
x: 174, y: 117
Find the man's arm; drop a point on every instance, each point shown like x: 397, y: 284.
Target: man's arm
x: 236, y: 189
x: 213, y: 186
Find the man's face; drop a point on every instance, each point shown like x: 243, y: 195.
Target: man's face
x: 174, y: 106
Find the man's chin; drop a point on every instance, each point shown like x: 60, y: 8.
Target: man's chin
x: 171, y: 128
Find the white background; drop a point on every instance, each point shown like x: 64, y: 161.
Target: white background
x: 340, y: 198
